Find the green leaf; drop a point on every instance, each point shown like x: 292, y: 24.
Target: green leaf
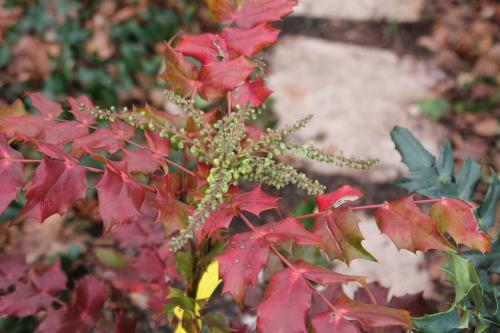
x: 467, y: 178
x: 445, y: 162
x: 442, y: 322
x: 486, y: 213
x: 434, y: 108
x: 463, y: 276
x: 214, y: 323
x: 109, y: 257
x: 184, y: 264
x: 414, y: 155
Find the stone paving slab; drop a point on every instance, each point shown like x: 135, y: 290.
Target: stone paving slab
x: 357, y: 95
x: 397, y: 10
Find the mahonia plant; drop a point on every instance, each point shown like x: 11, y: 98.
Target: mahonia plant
x: 167, y: 195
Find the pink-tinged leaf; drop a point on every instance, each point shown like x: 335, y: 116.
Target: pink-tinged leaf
x: 328, y: 322
x: 11, y: 174
x: 50, y: 280
x: 220, y: 77
x: 172, y: 213
x: 256, y: 201
x: 138, y: 234
x: 247, y: 253
x: 83, y: 116
x: 12, y: 268
x: 324, y: 276
x: 338, y: 197
x: 159, y: 146
x: 23, y: 127
x: 100, y: 139
x: 140, y: 161
x: 248, y: 42
x: 205, y: 48
x: 249, y: 13
x: 340, y: 235
x: 149, y: 266
x: 331, y: 293
x: 369, y: 315
x: 45, y: 106
x: 253, y: 93
x: 25, y: 300
x: 55, y: 187
x: 409, y: 228
x: 120, y: 196
x: 180, y: 75
x: 63, y: 132
x: 285, y: 304
x: 82, y: 314
x: 456, y: 218
x: 122, y: 130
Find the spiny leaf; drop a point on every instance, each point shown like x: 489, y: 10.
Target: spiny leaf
x: 254, y: 93
x: 11, y: 174
x: 486, y: 213
x: 120, y: 196
x: 457, y: 219
x: 206, y: 47
x: 249, y: 41
x: 180, y: 75
x: 247, y: 253
x: 414, y: 155
x: 338, y: 197
x: 467, y: 178
x: 409, y: 228
x: 46, y: 107
x: 462, y: 274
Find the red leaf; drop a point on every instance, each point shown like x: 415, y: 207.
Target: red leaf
x: 11, y: 174
x: 24, y: 301
x: 12, y: 268
x: 125, y: 324
x: 256, y: 201
x: 249, y: 41
x: 82, y: 116
x: 285, y: 304
x: 325, y: 276
x: 340, y: 235
x: 120, y: 196
x: 220, y: 77
x: 82, y: 314
x: 159, y: 146
x: 64, y: 132
x: 338, y: 197
x: 254, y: 93
x: 180, y: 75
x: 101, y: 139
x: 409, y: 228
x: 140, y: 161
x: 137, y: 234
x: 249, y: 13
x: 50, y: 280
x: 328, y: 322
x: 247, y: 252
x: 206, y: 47
x: 456, y: 218
x: 46, y: 107
x: 24, y: 127
x: 55, y: 187
x: 149, y: 266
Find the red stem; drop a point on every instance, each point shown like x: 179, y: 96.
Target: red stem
x: 328, y: 211
x: 288, y: 263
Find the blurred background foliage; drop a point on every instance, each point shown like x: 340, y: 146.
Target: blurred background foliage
x: 108, y: 50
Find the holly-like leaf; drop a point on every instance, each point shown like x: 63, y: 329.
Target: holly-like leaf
x: 82, y: 116
x: 249, y: 13
x: 12, y: 268
x: 285, y: 304
x: 327, y: 322
x: 180, y: 75
x: 206, y: 47
x: 340, y: 235
x: 25, y: 300
x: 248, y: 42
x: 64, y: 132
x: 120, y: 196
x: 88, y: 298
x: 456, y: 218
x: 486, y: 213
x: 108, y: 139
x: 461, y: 273
x: 253, y: 93
x: 11, y: 173
x: 45, y: 106
x: 223, y: 76
x: 138, y: 234
x: 409, y: 228
x: 256, y: 201
x: 140, y: 161
x: 337, y: 198
x: 55, y: 187
x: 50, y: 280
x: 247, y: 253
x: 159, y: 146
